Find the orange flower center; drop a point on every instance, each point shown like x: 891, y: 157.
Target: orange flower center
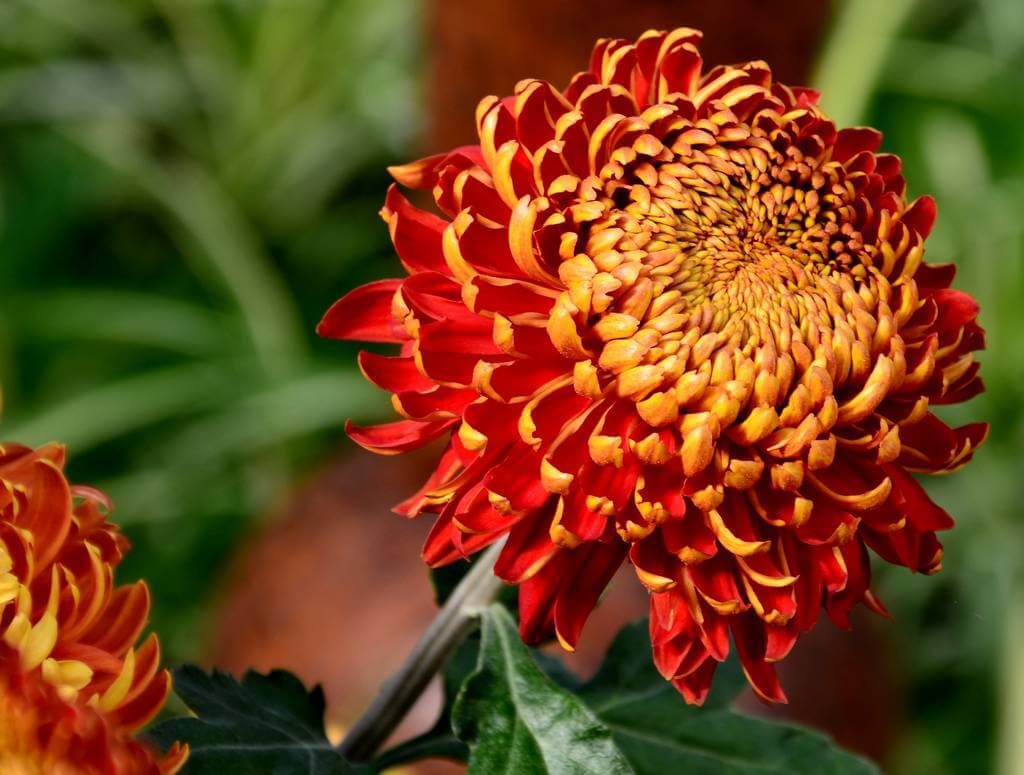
x: 720, y: 250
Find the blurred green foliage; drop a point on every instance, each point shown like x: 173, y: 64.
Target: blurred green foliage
x: 185, y: 185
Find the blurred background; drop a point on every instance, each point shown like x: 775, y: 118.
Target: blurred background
x: 186, y: 185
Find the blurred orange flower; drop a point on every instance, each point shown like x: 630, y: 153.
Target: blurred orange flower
x: 672, y: 316
x: 73, y: 685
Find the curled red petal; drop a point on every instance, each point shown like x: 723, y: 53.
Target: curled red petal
x: 395, y: 437
x: 363, y: 315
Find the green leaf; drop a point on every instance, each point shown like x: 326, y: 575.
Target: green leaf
x: 658, y: 732
x: 121, y: 407
x: 515, y: 719
x: 440, y: 741
x: 265, y: 724
x: 127, y: 317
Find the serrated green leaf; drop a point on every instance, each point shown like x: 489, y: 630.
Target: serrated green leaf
x: 658, y: 732
x: 516, y: 719
x: 265, y: 724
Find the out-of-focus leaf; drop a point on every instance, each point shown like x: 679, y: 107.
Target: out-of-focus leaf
x: 273, y: 416
x: 658, y: 732
x: 516, y: 719
x: 74, y: 90
x: 121, y: 407
x: 954, y: 74
x: 216, y: 233
x: 126, y: 317
x: 266, y: 723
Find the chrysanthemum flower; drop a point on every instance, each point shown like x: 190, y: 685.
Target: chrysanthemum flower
x: 73, y: 684
x: 672, y: 316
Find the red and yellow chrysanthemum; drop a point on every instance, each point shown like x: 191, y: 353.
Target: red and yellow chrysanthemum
x: 675, y: 317
x: 73, y: 685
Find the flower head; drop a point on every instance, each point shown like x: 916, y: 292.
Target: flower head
x: 73, y: 684
x: 672, y: 316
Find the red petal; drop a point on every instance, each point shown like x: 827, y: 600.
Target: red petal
x: 858, y: 575
x: 449, y: 465
x: 537, y: 601
x: 854, y: 140
x: 689, y: 533
x: 47, y: 516
x: 363, y: 314
x: 680, y: 72
x: 122, y: 620
x: 539, y: 106
x: 715, y: 579
x: 935, y: 275
x: 396, y: 374
x: 438, y: 403
x: 517, y: 478
x: 583, y: 523
x: 577, y: 598
x: 781, y: 640
x: 956, y: 309
x: 447, y: 544
x: 475, y: 514
x: 920, y: 215
x: 415, y: 233
x: 909, y: 497
x: 509, y: 297
x: 651, y: 557
x: 806, y: 96
x: 528, y: 549
x: 141, y: 710
x: 695, y: 686
x: 714, y: 633
x: 748, y: 632
x: 395, y: 437
x: 432, y: 295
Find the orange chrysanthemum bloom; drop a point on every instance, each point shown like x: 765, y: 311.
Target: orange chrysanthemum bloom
x: 672, y: 316
x: 73, y: 686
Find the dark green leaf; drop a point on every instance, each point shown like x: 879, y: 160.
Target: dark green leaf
x: 658, y: 732
x: 265, y: 724
x: 515, y: 719
x: 555, y: 669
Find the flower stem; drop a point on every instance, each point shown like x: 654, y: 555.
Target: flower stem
x: 457, y: 618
